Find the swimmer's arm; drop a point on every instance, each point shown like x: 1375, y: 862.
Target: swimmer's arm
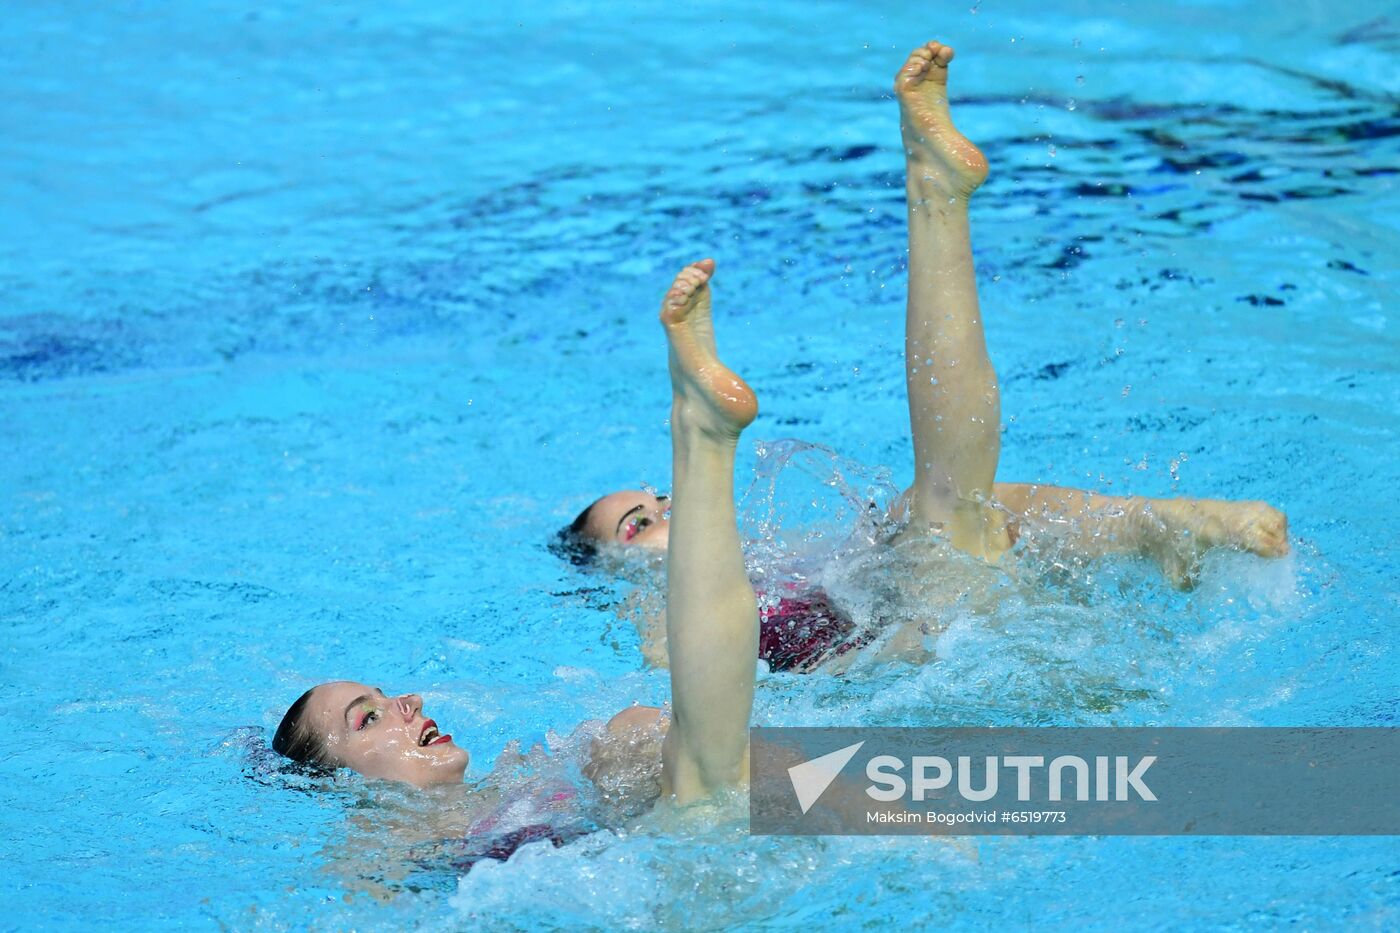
x: 711, y: 624
x: 654, y: 650
x: 650, y: 623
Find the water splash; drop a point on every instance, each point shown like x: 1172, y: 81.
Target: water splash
x: 1048, y: 636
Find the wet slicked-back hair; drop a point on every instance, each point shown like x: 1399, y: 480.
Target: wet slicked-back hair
x: 573, y: 544
x: 296, y: 740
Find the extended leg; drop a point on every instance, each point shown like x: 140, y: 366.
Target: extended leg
x: 954, y: 403
x: 711, y: 613
x: 1173, y: 532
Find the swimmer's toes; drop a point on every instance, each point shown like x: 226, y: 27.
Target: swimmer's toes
x: 913, y: 69
x: 1270, y: 531
x: 927, y: 63
x: 688, y: 294
x: 947, y: 160
x: 708, y: 395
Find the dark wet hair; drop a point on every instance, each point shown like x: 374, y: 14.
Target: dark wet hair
x: 296, y: 740
x: 573, y: 544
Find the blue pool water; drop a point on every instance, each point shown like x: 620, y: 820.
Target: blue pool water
x: 318, y: 319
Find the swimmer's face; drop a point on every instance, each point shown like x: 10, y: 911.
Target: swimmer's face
x: 632, y: 518
x: 383, y: 737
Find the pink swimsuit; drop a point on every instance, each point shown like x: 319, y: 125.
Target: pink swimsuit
x: 551, y: 814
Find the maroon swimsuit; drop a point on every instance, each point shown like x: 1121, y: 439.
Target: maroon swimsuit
x: 804, y: 629
x: 547, y: 813
x: 500, y: 848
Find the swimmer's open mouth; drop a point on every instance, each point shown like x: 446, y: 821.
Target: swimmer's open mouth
x: 431, y: 736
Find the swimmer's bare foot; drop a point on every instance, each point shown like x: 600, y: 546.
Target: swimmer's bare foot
x: 1195, y: 526
x: 939, y: 156
x: 706, y: 395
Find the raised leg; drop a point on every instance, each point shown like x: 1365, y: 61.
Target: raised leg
x: 954, y: 402
x: 711, y: 613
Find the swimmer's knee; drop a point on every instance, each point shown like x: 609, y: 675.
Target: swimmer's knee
x: 635, y: 718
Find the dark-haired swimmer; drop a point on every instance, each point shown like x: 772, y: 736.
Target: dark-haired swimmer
x: 954, y: 404
x: 712, y: 624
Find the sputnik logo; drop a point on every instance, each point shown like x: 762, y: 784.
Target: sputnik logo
x: 811, y: 778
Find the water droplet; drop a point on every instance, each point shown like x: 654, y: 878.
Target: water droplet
x: 1070, y: 104
x: 1052, y: 150
x: 996, y: 278
x: 1079, y: 80
x: 1126, y: 390
x: 1076, y: 43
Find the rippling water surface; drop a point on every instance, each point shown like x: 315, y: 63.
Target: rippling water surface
x: 316, y: 321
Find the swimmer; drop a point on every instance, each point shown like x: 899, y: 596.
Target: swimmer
x: 954, y: 407
x: 713, y: 632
